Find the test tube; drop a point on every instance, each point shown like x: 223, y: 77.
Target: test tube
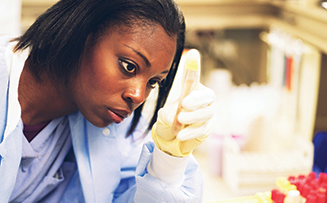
x: 190, y: 79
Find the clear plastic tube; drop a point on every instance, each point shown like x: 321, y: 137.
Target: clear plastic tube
x: 190, y: 79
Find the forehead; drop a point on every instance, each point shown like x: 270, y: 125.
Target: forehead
x: 133, y: 27
x: 148, y: 38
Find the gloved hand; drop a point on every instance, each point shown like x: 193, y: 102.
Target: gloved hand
x: 197, y: 113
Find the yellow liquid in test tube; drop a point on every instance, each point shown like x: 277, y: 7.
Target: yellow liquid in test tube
x: 190, y: 79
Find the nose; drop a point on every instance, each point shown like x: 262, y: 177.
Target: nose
x: 136, y: 94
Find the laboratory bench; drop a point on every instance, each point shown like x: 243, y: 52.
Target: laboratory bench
x: 214, y: 188
x: 310, y: 187
x: 248, y: 174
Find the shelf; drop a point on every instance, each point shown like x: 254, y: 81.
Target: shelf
x: 218, y: 2
x: 224, y: 14
x: 39, y: 2
x: 31, y: 9
x: 306, y: 22
x: 303, y: 20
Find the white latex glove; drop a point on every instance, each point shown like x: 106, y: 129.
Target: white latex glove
x: 197, y: 113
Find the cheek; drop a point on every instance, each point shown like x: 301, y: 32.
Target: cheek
x: 147, y: 92
x: 101, y: 74
x: 151, y: 95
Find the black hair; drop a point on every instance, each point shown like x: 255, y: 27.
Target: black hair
x: 57, y: 38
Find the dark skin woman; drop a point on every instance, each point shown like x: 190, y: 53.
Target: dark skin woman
x: 73, y: 88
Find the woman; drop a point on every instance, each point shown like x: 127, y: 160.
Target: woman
x: 68, y: 86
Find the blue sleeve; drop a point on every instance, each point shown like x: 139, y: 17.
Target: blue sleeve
x: 146, y: 188
x: 10, y: 148
x: 4, y: 82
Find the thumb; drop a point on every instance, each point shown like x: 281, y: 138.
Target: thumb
x: 167, y: 113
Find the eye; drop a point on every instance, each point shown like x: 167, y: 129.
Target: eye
x: 153, y: 83
x: 128, y: 66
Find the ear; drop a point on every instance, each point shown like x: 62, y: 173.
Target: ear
x: 89, y: 42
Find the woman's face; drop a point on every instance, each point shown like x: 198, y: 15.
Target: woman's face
x: 119, y: 71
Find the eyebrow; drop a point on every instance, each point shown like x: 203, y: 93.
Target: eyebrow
x: 164, y: 72
x: 147, y: 62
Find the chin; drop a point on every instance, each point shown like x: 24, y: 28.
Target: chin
x: 101, y: 123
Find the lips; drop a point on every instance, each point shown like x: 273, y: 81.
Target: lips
x: 117, y: 116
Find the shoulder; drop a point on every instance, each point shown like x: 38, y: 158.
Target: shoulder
x: 5, y: 40
x: 4, y: 45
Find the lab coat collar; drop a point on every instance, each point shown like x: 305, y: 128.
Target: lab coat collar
x: 15, y: 63
x: 11, y: 145
x: 33, y: 148
x: 97, y: 163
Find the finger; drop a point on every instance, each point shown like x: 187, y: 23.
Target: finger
x: 198, y: 99
x: 192, y: 132
x: 196, y: 116
x: 168, y: 113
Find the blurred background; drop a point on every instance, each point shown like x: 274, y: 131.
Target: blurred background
x: 266, y: 61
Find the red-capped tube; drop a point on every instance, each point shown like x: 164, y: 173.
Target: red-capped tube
x: 311, y: 199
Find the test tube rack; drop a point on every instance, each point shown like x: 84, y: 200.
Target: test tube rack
x: 295, y: 189
x: 247, y: 172
x: 309, y: 189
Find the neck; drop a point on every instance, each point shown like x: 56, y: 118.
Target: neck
x: 42, y: 99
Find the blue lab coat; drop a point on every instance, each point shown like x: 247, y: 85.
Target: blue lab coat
x: 73, y: 161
